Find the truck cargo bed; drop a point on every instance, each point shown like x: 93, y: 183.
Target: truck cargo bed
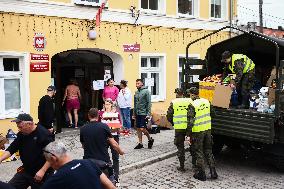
x: 243, y: 124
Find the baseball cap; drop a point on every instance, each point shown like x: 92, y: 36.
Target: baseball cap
x: 23, y: 117
x: 192, y: 90
x: 51, y: 88
x: 225, y: 55
x: 178, y: 90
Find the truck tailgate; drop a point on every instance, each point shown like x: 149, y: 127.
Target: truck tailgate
x: 243, y: 124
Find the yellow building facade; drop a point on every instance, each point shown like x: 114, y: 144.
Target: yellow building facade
x: 135, y: 38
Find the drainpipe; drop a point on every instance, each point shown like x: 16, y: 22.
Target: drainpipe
x: 231, y: 16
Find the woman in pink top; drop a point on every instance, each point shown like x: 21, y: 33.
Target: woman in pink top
x: 110, y: 91
x: 72, y: 96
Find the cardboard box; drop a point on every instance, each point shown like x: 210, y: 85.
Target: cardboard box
x: 222, y: 96
x: 271, y: 96
x: 159, y: 118
x: 272, y: 76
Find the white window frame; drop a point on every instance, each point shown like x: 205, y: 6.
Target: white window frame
x: 224, y: 10
x: 85, y: 2
x: 196, y: 10
x: 179, y: 69
x: 161, y: 8
x: 23, y: 75
x: 162, y: 64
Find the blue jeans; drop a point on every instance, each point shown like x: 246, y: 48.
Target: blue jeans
x: 125, y: 113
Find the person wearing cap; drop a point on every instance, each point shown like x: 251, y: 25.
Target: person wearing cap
x: 30, y: 142
x: 46, y: 112
x: 177, y: 116
x: 199, y: 131
x: 244, y: 68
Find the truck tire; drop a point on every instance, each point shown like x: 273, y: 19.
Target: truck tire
x: 278, y: 162
x: 275, y: 156
x: 218, y: 145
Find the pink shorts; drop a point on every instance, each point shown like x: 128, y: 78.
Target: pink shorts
x: 72, y: 104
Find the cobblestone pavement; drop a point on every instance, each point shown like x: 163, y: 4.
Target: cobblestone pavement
x: 163, y: 144
x: 233, y: 172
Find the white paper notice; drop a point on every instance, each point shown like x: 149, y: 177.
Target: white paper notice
x: 99, y: 84
x: 149, y: 82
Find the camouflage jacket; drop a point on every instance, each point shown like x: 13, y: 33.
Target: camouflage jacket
x: 238, y: 68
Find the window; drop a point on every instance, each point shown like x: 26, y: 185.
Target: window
x: 185, y: 7
x: 89, y: 2
x: 152, y: 74
x: 218, y: 8
x: 11, y: 86
x: 192, y: 78
x: 155, y: 6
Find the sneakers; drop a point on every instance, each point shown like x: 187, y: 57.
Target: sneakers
x: 200, y: 175
x: 117, y: 183
x: 181, y: 169
x: 150, y: 143
x: 213, y: 173
x: 139, y: 146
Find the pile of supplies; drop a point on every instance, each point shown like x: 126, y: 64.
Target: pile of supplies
x: 262, y: 100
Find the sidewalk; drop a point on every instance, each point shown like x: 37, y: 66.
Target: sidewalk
x: 163, y: 148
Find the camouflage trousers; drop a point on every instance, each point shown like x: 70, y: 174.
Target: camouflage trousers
x: 179, y: 142
x: 202, y: 147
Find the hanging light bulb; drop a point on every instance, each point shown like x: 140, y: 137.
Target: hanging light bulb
x: 92, y: 33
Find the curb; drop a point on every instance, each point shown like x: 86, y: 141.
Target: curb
x: 141, y: 164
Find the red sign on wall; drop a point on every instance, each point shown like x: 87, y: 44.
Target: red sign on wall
x: 131, y: 48
x: 39, y: 56
x: 39, y: 67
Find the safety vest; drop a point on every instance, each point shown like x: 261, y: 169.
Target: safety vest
x: 202, y: 121
x: 180, y: 106
x: 249, y: 65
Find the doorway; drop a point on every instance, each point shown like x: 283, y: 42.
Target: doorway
x: 84, y: 66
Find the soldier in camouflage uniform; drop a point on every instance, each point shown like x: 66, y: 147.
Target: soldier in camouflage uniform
x: 199, y: 130
x: 180, y: 129
x: 244, y: 68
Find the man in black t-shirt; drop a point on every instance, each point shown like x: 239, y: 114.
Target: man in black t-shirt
x: 96, y: 138
x: 46, y: 112
x: 30, y: 141
x: 4, y: 185
x: 73, y: 174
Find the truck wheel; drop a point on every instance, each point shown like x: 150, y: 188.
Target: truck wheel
x: 279, y: 162
x: 218, y: 145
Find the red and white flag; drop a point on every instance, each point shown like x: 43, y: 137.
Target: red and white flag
x: 99, y: 14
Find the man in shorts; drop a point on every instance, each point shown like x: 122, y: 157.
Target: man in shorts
x: 142, y: 112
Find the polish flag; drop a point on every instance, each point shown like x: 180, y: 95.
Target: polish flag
x: 99, y: 14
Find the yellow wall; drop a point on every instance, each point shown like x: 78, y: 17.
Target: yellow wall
x: 204, y: 9
x: 171, y: 6
x: 65, y: 34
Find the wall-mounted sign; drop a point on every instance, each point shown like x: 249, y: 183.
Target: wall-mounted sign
x: 39, y: 42
x: 39, y: 66
x: 131, y: 48
x: 39, y: 56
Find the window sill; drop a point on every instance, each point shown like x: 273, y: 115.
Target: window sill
x: 152, y: 12
x: 186, y: 16
x: 158, y: 99
x: 86, y: 3
x: 218, y: 19
x: 10, y: 115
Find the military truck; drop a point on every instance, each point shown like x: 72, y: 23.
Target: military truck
x: 247, y: 128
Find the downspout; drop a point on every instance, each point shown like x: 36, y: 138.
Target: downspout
x: 231, y: 16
